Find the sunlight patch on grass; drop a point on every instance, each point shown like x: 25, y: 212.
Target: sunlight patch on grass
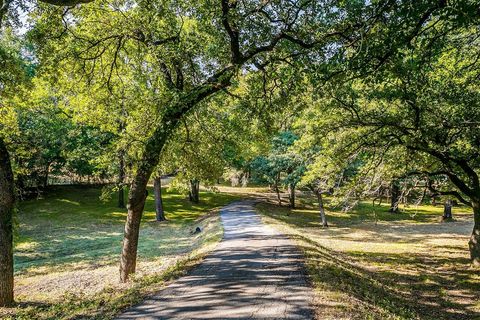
x: 76, y: 203
x: 27, y: 246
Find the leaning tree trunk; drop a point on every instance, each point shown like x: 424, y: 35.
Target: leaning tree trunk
x: 291, y: 195
x: 194, y: 191
x: 150, y: 158
x: 157, y: 189
x: 7, y: 203
x: 474, y: 243
x: 138, y: 194
x: 136, y: 203
x: 395, y: 197
x: 121, y: 179
x: 321, y: 209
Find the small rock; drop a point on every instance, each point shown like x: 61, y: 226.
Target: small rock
x: 197, y: 230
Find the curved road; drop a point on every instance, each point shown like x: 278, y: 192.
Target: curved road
x: 254, y: 273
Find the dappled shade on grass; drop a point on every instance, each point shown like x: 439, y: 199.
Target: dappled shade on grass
x: 70, y: 228
x: 383, y: 265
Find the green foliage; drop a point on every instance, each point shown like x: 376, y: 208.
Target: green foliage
x: 16, y: 68
x: 281, y: 166
x: 412, y: 122
x: 342, y: 97
x: 48, y: 141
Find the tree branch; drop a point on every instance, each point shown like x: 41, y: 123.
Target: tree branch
x: 65, y: 3
x: 454, y: 193
x: 232, y: 31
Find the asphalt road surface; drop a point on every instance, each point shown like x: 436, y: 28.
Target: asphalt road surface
x: 254, y: 273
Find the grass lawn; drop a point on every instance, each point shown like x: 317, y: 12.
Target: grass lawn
x: 372, y: 264
x: 68, y: 245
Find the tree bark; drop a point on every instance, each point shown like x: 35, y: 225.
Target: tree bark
x: 157, y: 188
x: 321, y: 209
x: 395, y: 197
x: 136, y: 204
x: 474, y: 243
x: 291, y: 195
x: 7, y: 204
x: 138, y: 191
x: 194, y: 191
x: 121, y: 179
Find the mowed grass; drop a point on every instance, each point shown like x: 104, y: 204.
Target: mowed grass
x: 70, y: 224
x: 68, y: 244
x: 372, y: 264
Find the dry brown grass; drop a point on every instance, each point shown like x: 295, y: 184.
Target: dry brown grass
x: 385, y: 266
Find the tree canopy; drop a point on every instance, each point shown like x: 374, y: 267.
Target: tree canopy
x: 353, y: 99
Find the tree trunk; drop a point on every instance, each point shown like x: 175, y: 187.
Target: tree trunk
x: 194, y: 191
x: 7, y: 203
x: 447, y: 210
x: 45, y: 177
x: 138, y: 194
x: 121, y: 180
x: 474, y: 243
x: 395, y: 197
x: 291, y: 195
x: 277, y: 191
x: 157, y: 188
x: 321, y: 209
x: 151, y: 156
x: 136, y: 204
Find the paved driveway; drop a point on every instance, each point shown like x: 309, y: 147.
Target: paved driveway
x: 254, y: 273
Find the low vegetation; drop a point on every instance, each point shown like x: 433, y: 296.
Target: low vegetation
x: 373, y: 264
x: 68, y: 243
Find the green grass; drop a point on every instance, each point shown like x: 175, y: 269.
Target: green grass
x: 364, y: 211
x: 68, y: 244
x: 70, y: 224
x: 372, y: 264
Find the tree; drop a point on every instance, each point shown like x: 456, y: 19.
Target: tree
x: 265, y: 170
x: 425, y: 107
x: 197, y: 151
x: 7, y: 203
x: 292, y: 165
x: 11, y: 75
x: 322, y: 175
x: 200, y: 51
x: 281, y: 166
x: 5, y: 7
x: 157, y: 186
x: 11, y: 64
